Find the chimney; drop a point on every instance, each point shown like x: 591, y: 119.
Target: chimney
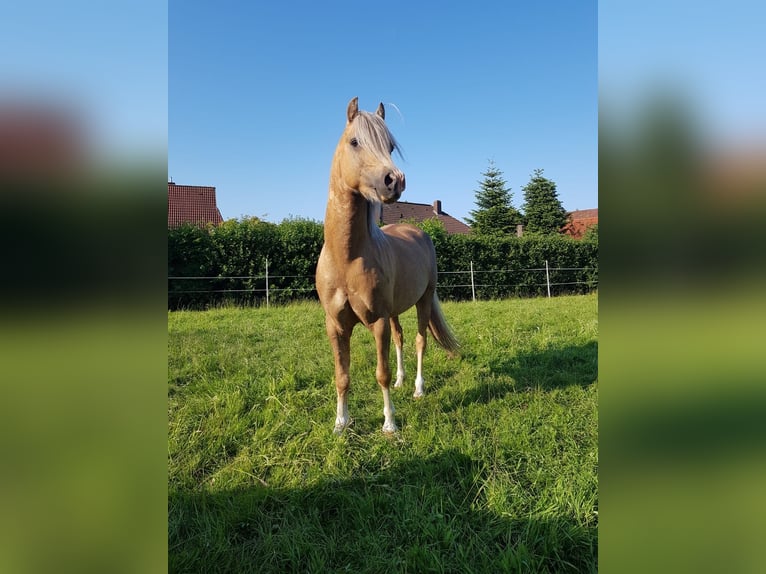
x: 519, y: 230
x: 437, y: 207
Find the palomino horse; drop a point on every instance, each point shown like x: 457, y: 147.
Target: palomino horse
x: 369, y: 274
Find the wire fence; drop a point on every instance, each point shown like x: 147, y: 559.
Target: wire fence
x: 462, y: 284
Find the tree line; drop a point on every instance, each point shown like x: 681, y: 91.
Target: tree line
x: 495, y: 214
x: 212, y: 265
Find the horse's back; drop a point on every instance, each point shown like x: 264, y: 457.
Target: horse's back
x: 411, y: 245
x: 409, y: 235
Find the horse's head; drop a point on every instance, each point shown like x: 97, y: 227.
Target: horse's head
x: 363, y: 157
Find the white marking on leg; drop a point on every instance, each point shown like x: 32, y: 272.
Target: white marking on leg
x: 389, y: 425
x: 419, y: 387
x: 399, y: 367
x: 419, y: 383
x: 341, y: 418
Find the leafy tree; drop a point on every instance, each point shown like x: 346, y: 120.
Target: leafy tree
x: 495, y: 214
x: 591, y: 234
x: 434, y: 227
x: 542, y: 209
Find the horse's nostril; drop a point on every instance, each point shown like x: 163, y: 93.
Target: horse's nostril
x: 388, y: 180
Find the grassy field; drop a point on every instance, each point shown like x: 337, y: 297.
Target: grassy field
x: 494, y: 470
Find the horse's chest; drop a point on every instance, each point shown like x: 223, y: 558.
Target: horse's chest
x: 368, y: 294
x: 360, y: 284
x: 361, y: 278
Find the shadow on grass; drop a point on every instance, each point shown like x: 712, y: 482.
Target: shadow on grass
x: 416, y: 516
x: 551, y: 368
x: 545, y: 370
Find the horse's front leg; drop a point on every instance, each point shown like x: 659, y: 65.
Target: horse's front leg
x: 382, y: 331
x: 340, y: 340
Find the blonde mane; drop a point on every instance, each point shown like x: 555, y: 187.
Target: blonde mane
x: 373, y: 134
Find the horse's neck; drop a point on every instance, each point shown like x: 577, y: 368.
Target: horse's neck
x: 350, y: 226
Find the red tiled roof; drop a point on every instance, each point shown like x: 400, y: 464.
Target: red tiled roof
x: 192, y: 204
x: 579, y: 221
x: 403, y: 211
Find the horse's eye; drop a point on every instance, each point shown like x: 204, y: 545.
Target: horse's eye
x: 354, y: 142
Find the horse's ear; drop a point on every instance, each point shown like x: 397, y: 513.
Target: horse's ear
x: 353, y: 109
x: 381, y: 111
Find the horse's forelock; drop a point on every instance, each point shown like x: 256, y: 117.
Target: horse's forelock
x: 373, y: 134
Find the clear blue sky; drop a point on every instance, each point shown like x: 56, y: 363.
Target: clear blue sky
x: 104, y: 62
x: 709, y: 55
x: 258, y: 94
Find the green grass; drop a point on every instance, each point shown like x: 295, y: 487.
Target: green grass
x: 495, y: 470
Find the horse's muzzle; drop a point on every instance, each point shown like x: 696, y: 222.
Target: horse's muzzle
x: 395, y: 184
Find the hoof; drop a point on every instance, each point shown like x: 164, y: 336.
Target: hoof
x: 390, y: 429
x: 339, y: 427
x: 420, y: 388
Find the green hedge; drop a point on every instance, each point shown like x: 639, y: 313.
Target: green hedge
x: 513, y: 266
x: 231, y: 259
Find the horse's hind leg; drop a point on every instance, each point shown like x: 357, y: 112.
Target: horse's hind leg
x: 424, y: 316
x: 398, y: 335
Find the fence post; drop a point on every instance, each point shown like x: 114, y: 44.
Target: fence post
x: 473, y: 288
x: 267, y: 282
x: 547, y: 278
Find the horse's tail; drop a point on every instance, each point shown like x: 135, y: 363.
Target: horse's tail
x: 441, y: 330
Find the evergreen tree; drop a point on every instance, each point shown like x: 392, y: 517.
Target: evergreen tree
x: 542, y: 209
x: 495, y: 215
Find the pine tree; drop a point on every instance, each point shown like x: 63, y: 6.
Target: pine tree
x: 495, y: 214
x: 542, y: 209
